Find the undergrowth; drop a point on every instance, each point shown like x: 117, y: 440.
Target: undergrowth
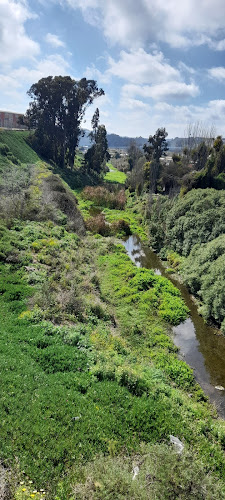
x: 91, y: 383
x: 100, y: 371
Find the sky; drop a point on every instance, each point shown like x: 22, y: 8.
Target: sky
x: 161, y: 63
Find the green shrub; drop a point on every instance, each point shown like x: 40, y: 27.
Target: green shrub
x: 204, y: 273
x: 4, y: 149
x: 161, y: 474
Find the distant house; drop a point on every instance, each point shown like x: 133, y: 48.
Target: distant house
x: 8, y: 119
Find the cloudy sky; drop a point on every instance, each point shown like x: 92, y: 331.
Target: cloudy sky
x: 160, y: 63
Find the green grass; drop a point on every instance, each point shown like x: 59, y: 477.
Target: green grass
x: 16, y: 141
x: 87, y: 365
x: 115, y: 175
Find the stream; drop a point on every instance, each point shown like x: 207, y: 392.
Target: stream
x: 200, y: 345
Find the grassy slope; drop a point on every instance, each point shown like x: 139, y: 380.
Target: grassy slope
x: 88, y: 368
x: 16, y: 141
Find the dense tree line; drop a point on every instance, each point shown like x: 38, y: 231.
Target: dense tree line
x: 200, y: 164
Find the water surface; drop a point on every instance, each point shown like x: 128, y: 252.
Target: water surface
x: 200, y: 345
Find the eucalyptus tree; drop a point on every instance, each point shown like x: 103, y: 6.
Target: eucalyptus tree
x: 154, y: 150
x: 57, y: 108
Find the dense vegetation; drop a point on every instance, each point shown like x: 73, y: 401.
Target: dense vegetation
x: 201, y: 164
x: 193, y: 226
x: 92, y: 385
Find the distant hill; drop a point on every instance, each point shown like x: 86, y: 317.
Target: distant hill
x: 116, y: 141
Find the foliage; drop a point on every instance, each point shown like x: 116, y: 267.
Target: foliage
x: 32, y: 192
x: 92, y: 388
x: 157, y: 146
x: 132, y: 215
x: 88, y: 365
x: 161, y: 474
x: 134, y: 153
x: 193, y: 226
x: 97, y: 155
x: 197, y: 217
x: 56, y: 110
x: 101, y: 196
x: 114, y: 175
x: 204, y: 273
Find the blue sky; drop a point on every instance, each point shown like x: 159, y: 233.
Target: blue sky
x: 161, y: 63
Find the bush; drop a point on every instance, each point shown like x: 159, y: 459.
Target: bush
x: 162, y: 474
x: 63, y: 200
x: 121, y: 226
x: 4, y: 149
x: 98, y: 225
x: 204, y: 274
x: 103, y: 197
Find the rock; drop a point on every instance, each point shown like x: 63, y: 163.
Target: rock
x: 219, y: 388
x: 135, y: 472
x: 178, y: 445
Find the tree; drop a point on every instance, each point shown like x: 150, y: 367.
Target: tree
x: 95, y: 123
x: 194, y: 135
x: 134, y: 154
x: 200, y: 155
x: 157, y: 147
x: 97, y: 154
x: 56, y: 111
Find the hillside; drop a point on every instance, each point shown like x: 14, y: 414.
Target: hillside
x: 93, y: 388
x: 16, y: 142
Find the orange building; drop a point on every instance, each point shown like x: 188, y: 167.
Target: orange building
x: 8, y: 119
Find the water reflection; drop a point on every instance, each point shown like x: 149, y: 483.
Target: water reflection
x: 200, y: 345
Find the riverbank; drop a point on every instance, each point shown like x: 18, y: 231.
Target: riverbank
x: 200, y: 344
x: 92, y: 382
x: 109, y: 369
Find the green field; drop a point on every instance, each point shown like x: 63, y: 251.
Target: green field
x: 115, y: 175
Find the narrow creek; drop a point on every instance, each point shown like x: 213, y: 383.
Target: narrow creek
x: 200, y: 345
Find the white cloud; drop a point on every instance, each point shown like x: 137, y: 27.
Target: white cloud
x: 14, y: 85
x: 218, y: 45
x: 186, y: 69
x: 54, y: 40
x: 14, y: 42
x: 133, y: 104
x: 93, y: 73
x: 166, y: 90
x: 217, y: 73
x: 53, y: 65
x: 181, y: 24
x: 139, y: 67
